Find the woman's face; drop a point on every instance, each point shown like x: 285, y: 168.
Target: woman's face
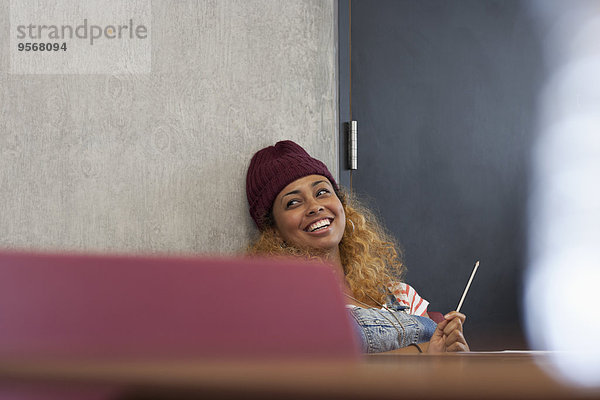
x: 308, y: 213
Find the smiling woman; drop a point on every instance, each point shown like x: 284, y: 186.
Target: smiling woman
x: 300, y: 211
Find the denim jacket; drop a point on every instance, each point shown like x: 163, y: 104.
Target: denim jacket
x: 382, y: 330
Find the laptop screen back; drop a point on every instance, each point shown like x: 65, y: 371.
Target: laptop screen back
x: 165, y: 307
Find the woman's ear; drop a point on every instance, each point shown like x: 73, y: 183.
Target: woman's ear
x: 270, y: 220
x: 350, y: 224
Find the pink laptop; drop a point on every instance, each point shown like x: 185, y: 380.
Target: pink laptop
x: 91, y: 306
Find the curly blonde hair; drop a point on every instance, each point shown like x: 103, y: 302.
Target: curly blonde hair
x: 370, y: 256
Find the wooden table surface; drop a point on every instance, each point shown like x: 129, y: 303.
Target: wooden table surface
x: 449, y: 376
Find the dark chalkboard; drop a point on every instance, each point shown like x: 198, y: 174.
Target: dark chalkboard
x: 445, y: 94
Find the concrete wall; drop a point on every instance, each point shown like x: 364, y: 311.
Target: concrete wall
x: 156, y: 162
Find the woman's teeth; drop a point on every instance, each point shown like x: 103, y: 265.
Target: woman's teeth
x: 318, y: 225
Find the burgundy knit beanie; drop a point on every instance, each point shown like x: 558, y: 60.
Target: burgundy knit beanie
x: 273, y: 168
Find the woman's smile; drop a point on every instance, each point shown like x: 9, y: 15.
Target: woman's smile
x: 319, y: 225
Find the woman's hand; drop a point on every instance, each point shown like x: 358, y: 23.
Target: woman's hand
x: 448, y: 335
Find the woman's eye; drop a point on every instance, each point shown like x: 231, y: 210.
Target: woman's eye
x: 291, y: 203
x: 321, y: 191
